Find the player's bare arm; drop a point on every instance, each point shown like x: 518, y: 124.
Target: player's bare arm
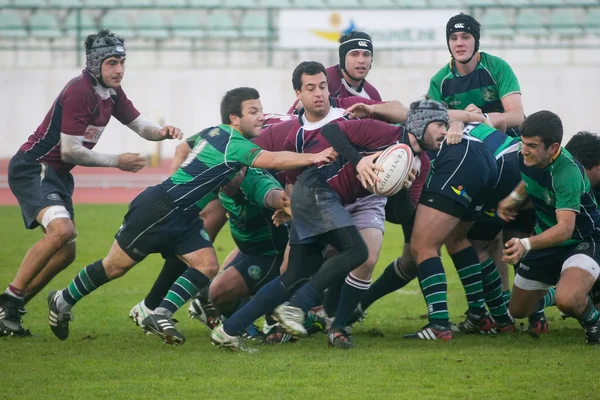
x: 181, y: 153
x: 562, y: 231
x: 286, y: 160
x: 391, y: 111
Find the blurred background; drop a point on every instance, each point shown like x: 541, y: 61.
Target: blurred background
x: 182, y: 55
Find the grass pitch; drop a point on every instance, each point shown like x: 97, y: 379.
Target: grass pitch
x: 106, y: 356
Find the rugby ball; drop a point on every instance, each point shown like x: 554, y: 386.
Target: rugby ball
x: 397, y: 161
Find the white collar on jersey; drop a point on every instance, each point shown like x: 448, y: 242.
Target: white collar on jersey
x: 104, y: 92
x: 334, y: 113
x: 362, y: 93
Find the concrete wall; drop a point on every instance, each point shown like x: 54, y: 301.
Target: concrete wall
x: 564, y: 81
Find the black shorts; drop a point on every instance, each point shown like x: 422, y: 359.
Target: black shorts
x: 154, y: 224
x: 256, y: 270
x: 37, y: 186
x: 462, y: 173
x: 487, y: 227
x: 509, y: 177
x: 546, y: 265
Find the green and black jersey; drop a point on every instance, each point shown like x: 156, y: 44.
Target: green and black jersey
x: 492, y: 80
x: 562, y: 185
x: 250, y: 219
x: 217, y: 155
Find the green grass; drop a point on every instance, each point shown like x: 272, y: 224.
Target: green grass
x: 107, y: 357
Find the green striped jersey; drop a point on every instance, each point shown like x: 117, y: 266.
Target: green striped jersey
x: 492, y: 80
x: 562, y: 185
x: 497, y: 141
x: 218, y: 154
x: 249, y: 218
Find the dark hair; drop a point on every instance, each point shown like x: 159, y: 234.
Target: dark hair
x: 544, y: 124
x: 232, y: 102
x: 104, y: 33
x: 308, y: 68
x: 585, y: 147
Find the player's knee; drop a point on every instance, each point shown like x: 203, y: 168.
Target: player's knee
x: 61, y: 230
x: 569, y: 302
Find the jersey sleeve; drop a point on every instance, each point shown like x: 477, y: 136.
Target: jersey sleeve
x: 192, y: 141
x: 568, y: 185
x: 77, y: 110
x: 434, y: 92
x: 241, y: 150
x: 257, y: 184
x: 370, y: 134
x: 123, y: 109
x: 506, y: 79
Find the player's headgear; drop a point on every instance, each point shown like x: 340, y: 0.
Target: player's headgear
x: 463, y: 23
x: 355, y: 40
x: 101, y: 46
x: 423, y: 112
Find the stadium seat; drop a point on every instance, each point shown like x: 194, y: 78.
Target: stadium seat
x: 582, y: 2
x: 495, y: 24
x: 171, y: 3
x: 221, y: 26
x: 547, y: 2
x: 11, y: 26
x: 187, y: 25
x: 343, y: 4
x: 444, y: 4
x: 274, y: 3
x: 87, y: 24
x: 480, y: 3
x: 592, y: 23
x: 31, y: 3
x: 564, y: 23
x: 530, y: 23
x: 44, y: 26
x: 205, y: 3
x: 100, y: 3
x: 514, y: 3
x: 310, y: 3
x: 65, y: 3
x: 255, y: 26
x: 117, y: 22
x: 151, y: 26
x: 383, y: 3
x: 136, y: 3
x: 239, y: 3
x: 411, y: 3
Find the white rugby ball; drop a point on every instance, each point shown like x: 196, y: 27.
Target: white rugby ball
x: 397, y: 161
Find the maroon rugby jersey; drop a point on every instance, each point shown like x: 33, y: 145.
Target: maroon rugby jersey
x: 367, y: 136
x: 81, y: 109
x: 305, y: 137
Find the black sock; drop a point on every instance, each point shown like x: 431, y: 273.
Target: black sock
x: 172, y: 269
x: 352, y: 292
x: 332, y: 297
x: 392, y: 279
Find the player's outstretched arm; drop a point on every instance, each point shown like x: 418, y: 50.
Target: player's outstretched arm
x: 181, y: 153
x: 391, y: 111
x: 287, y: 160
x: 150, y: 131
x: 72, y: 151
